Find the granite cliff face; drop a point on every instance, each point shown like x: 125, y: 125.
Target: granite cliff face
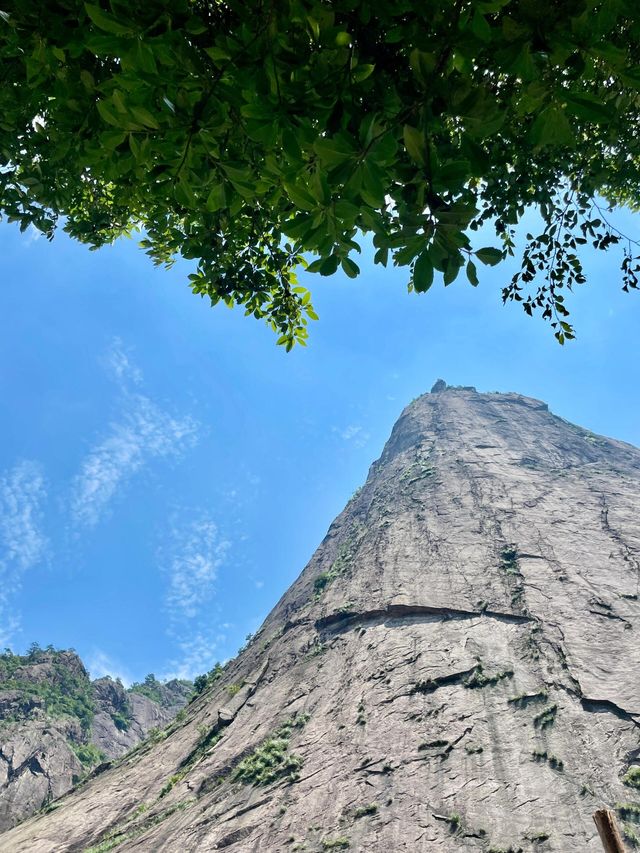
x: 123, y: 718
x: 456, y: 669
x: 56, y: 724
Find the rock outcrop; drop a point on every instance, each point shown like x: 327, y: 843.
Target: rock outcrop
x: 125, y: 717
x: 56, y: 725
x: 456, y: 669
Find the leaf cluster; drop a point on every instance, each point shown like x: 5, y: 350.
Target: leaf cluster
x: 201, y: 682
x: 88, y: 754
x: 257, y: 137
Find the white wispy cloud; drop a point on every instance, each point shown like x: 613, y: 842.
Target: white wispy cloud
x: 142, y: 432
x: 197, y: 654
x: 197, y: 553
x: 118, y: 362
x: 190, y: 562
x: 100, y: 664
x: 354, y: 433
x: 22, y: 542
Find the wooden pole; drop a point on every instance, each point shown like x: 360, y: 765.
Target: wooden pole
x: 605, y: 821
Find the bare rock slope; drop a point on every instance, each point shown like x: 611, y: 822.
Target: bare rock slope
x: 457, y: 668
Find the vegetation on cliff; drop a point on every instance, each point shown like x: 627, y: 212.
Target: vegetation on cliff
x: 56, y: 720
x: 54, y: 680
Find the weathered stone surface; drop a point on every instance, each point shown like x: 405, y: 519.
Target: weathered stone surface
x: 464, y: 642
x: 37, y: 764
x: 113, y: 702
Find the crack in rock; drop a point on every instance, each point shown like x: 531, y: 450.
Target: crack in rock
x: 344, y: 620
x: 598, y: 706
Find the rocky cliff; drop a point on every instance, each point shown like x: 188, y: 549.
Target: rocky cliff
x: 125, y: 717
x: 56, y: 725
x: 456, y: 669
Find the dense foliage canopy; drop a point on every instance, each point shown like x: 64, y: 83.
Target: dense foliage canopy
x: 258, y: 136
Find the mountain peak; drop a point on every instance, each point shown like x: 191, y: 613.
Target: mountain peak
x: 455, y: 669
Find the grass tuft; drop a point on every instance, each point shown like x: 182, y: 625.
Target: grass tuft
x: 272, y: 760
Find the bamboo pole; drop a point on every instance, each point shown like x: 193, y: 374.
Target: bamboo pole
x: 608, y: 831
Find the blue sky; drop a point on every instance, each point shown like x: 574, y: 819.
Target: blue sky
x: 166, y: 471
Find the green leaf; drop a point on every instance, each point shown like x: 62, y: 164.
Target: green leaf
x: 346, y: 210
x: 134, y: 146
x: 384, y: 150
x: 333, y: 151
x: 524, y: 65
x: 315, y: 266
x: 300, y: 196
x: 111, y: 139
x: 264, y: 132
x: 414, y: 142
x: 480, y: 27
x: 361, y: 72
x: 458, y: 213
x: 216, y: 199
x: 87, y: 80
x: 107, y: 22
x: 489, y: 256
x: 329, y: 265
x: 486, y: 126
x: 552, y: 128
x: 590, y: 108
x: 298, y: 227
x: 145, y: 58
x: 195, y: 26
x: 422, y: 272
x: 453, y: 173
x: 452, y: 269
x: 143, y: 115
x: 319, y: 187
x: 422, y: 64
x: 472, y: 274
x: 616, y: 56
x: 108, y: 114
x: 373, y: 188
x: 184, y: 194
x: 514, y: 30
x: 381, y: 256
x: 257, y: 109
x: 350, y: 268
x: 217, y: 53
x: 314, y: 26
